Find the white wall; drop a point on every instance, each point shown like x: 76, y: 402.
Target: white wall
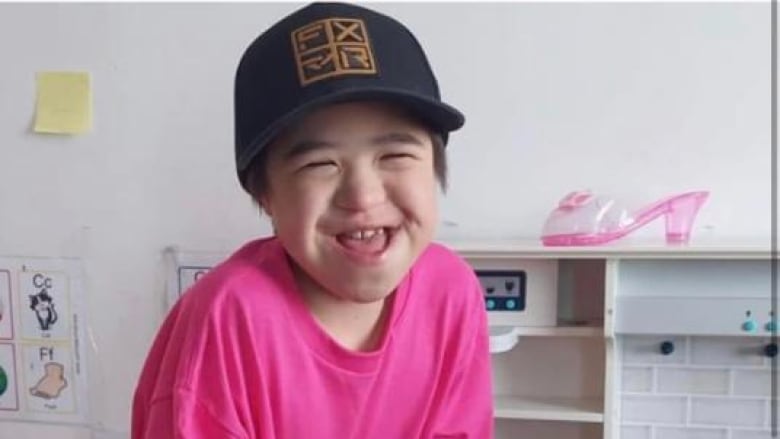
x: 634, y: 99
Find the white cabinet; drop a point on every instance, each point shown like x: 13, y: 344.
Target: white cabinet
x: 556, y: 368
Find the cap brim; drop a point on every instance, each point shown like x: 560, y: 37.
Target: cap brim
x: 437, y: 115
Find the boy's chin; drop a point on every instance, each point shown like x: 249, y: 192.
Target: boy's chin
x: 365, y: 294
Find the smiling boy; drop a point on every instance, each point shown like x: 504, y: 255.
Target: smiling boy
x: 348, y: 322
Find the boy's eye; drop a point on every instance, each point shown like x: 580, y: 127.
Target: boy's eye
x: 398, y: 156
x: 314, y: 165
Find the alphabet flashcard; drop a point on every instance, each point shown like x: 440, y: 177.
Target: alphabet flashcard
x: 43, y: 368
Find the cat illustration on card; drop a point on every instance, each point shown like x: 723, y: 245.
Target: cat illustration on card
x: 43, y: 306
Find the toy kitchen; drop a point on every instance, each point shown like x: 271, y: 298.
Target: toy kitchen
x: 629, y: 341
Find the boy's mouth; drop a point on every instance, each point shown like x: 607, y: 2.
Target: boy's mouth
x: 366, y: 243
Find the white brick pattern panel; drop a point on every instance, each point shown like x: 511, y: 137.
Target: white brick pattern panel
x: 709, y: 387
x: 739, y: 412
x: 732, y: 351
x: 635, y: 432
x: 693, y: 381
x: 637, y: 379
x: 690, y: 433
x: 644, y: 350
x: 654, y: 409
x: 753, y: 382
x: 751, y: 434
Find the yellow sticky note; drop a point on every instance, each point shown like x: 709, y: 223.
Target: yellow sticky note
x: 64, y: 104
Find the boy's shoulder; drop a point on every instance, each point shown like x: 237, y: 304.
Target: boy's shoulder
x: 444, y: 267
x: 251, y: 273
x: 438, y: 259
x: 443, y: 288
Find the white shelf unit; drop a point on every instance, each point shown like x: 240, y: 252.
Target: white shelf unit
x: 549, y: 409
x: 559, y: 331
x: 561, y: 381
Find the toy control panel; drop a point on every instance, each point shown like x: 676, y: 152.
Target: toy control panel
x: 695, y: 316
x: 504, y: 290
x: 751, y: 325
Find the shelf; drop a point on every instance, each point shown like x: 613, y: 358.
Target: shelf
x: 626, y: 249
x: 549, y: 409
x: 504, y: 338
x: 561, y: 331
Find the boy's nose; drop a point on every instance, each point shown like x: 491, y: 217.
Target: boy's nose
x: 360, y: 189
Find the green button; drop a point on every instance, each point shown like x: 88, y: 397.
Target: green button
x: 749, y: 326
x: 3, y: 381
x: 510, y: 304
x: 491, y: 304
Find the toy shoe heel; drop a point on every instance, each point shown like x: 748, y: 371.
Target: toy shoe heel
x: 680, y: 214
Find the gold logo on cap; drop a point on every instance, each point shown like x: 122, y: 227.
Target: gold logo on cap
x: 332, y: 47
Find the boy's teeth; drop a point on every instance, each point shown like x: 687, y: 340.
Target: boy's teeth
x: 365, y: 234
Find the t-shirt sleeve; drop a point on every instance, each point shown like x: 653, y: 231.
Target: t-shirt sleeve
x: 184, y: 415
x: 193, y: 383
x: 466, y: 411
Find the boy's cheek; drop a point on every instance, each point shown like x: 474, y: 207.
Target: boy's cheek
x: 300, y: 194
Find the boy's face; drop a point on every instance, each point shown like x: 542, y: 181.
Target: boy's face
x: 352, y: 196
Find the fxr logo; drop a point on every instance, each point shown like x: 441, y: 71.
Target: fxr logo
x: 332, y: 47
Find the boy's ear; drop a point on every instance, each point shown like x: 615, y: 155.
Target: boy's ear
x: 263, y: 203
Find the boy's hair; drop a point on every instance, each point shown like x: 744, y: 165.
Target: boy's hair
x: 326, y: 53
x: 257, y: 175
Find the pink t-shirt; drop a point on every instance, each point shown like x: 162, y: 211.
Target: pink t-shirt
x: 241, y: 356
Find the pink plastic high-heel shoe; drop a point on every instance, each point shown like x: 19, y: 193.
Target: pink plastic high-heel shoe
x: 584, y: 219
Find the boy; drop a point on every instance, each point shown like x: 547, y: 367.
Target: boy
x: 348, y: 323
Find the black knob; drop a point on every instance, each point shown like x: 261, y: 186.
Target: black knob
x: 667, y: 347
x: 770, y: 350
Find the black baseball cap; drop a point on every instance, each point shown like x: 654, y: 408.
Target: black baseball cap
x: 326, y: 53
